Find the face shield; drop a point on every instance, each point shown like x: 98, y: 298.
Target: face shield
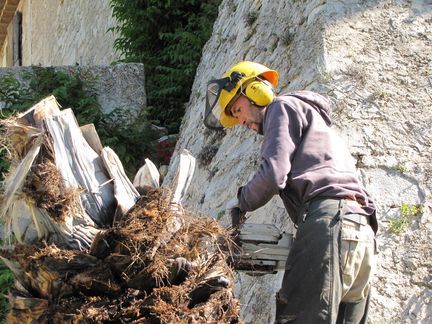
x: 213, y: 108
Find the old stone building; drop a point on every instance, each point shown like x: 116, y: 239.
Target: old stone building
x: 74, y: 37
x: 56, y: 32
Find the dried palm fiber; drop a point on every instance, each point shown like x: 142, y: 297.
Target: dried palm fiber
x: 158, y: 263
x: 58, y: 188
x: 187, y: 280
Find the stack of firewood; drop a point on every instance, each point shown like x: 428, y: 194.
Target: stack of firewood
x: 87, y: 247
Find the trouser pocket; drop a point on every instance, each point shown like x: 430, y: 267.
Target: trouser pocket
x: 357, y: 259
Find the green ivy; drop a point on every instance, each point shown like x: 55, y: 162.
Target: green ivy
x: 167, y: 36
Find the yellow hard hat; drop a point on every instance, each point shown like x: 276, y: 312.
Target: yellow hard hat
x: 235, y: 81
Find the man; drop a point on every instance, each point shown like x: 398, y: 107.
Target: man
x: 327, y: 276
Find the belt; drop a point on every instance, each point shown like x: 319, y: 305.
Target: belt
x: 350, y: 202
x: 354, y: 217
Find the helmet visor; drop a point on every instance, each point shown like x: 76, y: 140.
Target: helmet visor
x: 213, y: 109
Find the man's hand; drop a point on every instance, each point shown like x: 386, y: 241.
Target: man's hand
x: 233, y: 211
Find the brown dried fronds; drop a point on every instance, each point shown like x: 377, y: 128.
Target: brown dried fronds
x: 221, y: 307
x: 169, y: 304
x: 197, y: 236
x: 110, y: 241
x: 152, y: 207
x: 79, y: 309
x: 158, y: 270
x: 19, y: 253
x: 212, y: 266
x: 46, y: 186
x: 145, y: 223
x: 50, y: 250
x: 186, y: 280
x: 17, y: 136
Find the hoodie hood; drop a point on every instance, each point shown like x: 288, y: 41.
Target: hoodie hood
x: 320, y: 103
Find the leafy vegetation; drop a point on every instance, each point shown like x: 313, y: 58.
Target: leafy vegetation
x: 398, y: 225
x: 6, y: 281
x: 167, y: 36
x: 131, y: 140
x: 400, y: 167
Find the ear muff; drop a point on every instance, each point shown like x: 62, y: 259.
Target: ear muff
x: 259, y: 92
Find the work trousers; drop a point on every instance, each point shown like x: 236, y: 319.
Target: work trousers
x: 328, y: 271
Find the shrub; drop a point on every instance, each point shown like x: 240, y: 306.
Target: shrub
x: 167, y: 36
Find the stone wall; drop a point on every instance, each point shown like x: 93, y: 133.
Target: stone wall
x: 65, y: 32
x: 118, y: 86
x: 372, y: 58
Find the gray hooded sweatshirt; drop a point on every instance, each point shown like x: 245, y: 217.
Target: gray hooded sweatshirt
x: 303, y: 159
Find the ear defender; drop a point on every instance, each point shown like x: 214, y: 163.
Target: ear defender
x: 259, y: 92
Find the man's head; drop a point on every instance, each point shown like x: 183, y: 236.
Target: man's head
x: 247, y: 113
x: 247, y: 83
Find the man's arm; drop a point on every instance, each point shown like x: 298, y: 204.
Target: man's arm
x: 282, y: 134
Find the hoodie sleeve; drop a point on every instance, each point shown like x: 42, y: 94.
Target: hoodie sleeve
x: 282, y: 133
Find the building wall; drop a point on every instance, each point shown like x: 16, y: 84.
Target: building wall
x: 120, y: 86
x: 7, y: 54
x: 64, y: 32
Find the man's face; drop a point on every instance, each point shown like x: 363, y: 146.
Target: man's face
x: 249, y: 115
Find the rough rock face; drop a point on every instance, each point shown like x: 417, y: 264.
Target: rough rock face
x: 372, y: 58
